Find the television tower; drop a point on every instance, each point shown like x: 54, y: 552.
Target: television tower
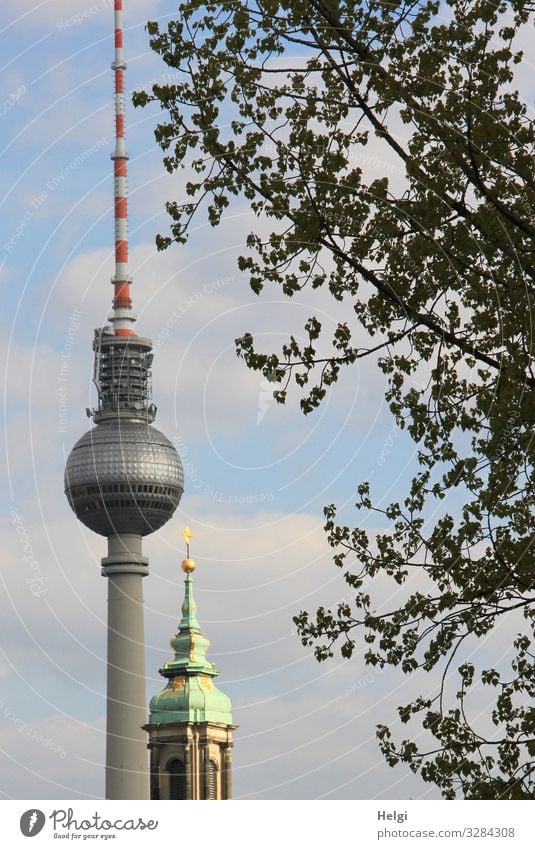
x: 124, y: 480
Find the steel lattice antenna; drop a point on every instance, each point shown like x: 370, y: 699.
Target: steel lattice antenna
x: 122, y: 317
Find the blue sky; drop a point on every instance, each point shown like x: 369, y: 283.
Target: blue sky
x: 257, y: 474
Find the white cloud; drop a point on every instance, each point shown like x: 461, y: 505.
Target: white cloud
x: 66, y: 15
x: 253, y: 575
x: 54, y: 758
x: 5, y: 671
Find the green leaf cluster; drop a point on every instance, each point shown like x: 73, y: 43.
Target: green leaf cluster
x: 389, y: 153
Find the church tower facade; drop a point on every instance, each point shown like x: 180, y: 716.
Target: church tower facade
x: 190, y: 722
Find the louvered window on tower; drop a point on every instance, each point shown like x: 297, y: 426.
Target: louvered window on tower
x: 177, y: 780
x: 212, y: 780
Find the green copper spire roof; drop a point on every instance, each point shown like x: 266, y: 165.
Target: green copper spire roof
x: 190, y: 694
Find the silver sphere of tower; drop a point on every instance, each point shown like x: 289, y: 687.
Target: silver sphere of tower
x: 123, y: 476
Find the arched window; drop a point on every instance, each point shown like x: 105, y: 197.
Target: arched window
x: 177, y: 780
x: 212, y: 780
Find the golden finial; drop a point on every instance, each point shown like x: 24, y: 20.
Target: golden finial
x: 188, y: 536
x: 188, y: 565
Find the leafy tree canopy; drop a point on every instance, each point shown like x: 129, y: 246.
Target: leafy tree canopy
x: 277, y: 103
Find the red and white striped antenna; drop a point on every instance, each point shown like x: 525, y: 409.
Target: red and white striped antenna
x: 122, y: 317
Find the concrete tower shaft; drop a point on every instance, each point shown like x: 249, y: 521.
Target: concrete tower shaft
x: 126, y: 758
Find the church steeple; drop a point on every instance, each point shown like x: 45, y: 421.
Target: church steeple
x: 190, y: 723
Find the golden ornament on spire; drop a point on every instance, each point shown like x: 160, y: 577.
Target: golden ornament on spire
x: 188, y: 565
